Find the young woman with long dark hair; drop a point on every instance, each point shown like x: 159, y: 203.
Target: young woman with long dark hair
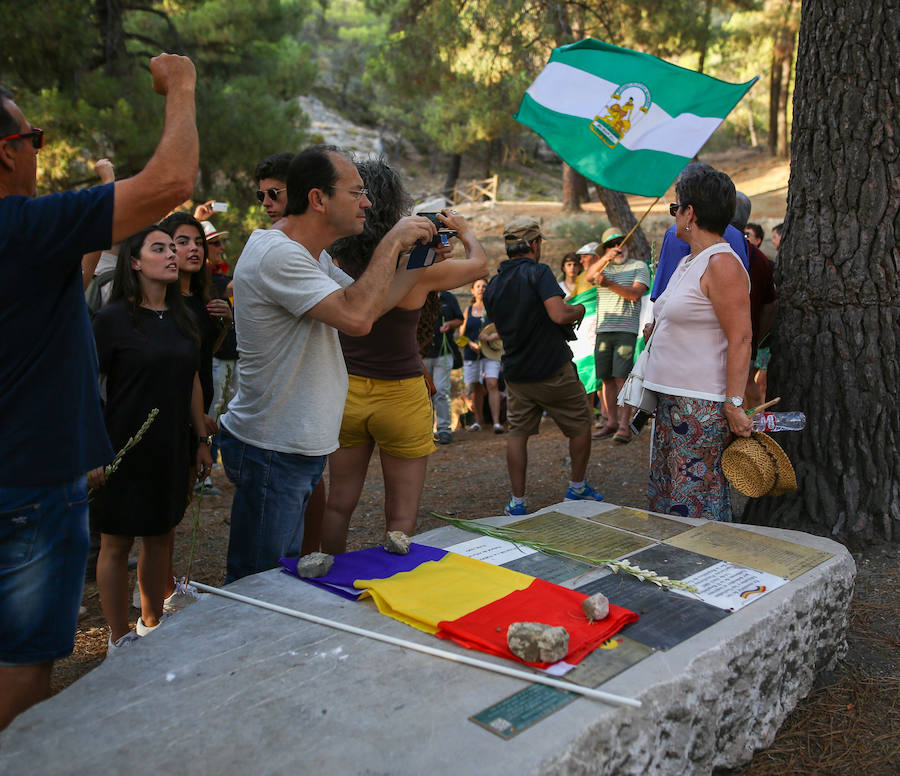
x: 148, y: 347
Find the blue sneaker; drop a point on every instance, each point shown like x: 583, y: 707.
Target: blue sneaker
x: 587, y: 493
x: 514, y: 509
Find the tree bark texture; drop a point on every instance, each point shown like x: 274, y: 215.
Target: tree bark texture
x: 618, y: 211
x: 572, y: 196
x: 836, y: 346
x: 454, y: 163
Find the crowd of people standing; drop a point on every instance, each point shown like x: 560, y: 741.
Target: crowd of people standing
x: 321, y: 360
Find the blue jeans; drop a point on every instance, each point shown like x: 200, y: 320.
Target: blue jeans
x: 271, y: 490
x: 440, y: 368
x: 43, y: 552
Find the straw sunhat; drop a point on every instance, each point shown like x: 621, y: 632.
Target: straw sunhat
x: 492, y: 349
x: 757, y: 466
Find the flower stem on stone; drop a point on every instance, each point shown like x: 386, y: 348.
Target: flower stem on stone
x: 517, y: 536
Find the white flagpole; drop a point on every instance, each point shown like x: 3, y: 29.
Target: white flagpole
x: 516, y: 673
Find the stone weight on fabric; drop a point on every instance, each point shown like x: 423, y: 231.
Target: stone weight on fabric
x: 316, y: 564
x: 535, y: 642
x: 596, y: 607
x: 397, y: 542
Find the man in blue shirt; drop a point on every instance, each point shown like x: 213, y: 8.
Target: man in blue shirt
x: 674, y: 250
x: 51, y: 426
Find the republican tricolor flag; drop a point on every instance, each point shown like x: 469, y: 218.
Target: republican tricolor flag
x: 465, y: 600
x: 626, y: 120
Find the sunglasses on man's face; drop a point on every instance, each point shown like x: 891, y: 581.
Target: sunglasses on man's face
x: 270, y: 193
x: 36, y: 135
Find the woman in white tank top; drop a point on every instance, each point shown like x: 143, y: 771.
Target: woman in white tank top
x: 700, y: 354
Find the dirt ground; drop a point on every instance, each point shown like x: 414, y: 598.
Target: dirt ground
x: 850, y: 723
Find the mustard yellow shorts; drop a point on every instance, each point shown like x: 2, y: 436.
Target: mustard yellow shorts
x: 394, y: 414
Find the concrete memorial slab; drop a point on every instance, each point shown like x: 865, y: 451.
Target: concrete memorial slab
x: 230, y: 688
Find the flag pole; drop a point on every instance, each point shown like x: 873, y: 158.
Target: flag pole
x: 625, y: 240
x: 588, y: 692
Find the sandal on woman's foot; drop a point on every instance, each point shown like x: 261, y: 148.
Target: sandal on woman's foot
x: 623, y: 439
x: 604, y: 433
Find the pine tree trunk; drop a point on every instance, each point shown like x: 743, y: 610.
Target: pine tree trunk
x: 618, y: 211
x: 571, y: 199
x: 452, y: 176
x: 836, y: 345
x: 774, y: 99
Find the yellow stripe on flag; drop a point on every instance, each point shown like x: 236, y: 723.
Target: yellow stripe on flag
x: 442, y: 590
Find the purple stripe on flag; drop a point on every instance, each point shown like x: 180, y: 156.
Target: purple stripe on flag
x: 372, y: 563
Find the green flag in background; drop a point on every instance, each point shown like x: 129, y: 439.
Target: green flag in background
x: 623, y: 119
x: 583, y: 346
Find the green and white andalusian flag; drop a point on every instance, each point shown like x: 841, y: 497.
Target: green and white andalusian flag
x: 623, y: 119
x: 583, y: 346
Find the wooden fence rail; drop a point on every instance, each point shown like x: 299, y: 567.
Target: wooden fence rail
x: 477, y: 190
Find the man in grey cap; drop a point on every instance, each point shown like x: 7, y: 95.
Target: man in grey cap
x: 526, y: 304
x: 588, y: 254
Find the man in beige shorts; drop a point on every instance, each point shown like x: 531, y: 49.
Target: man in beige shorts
x: 525, y: 302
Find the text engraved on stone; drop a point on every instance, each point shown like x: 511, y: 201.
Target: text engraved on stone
x: 641, y: 522
x: 610, y: 658
x: 577, y: 535
x: 756, y: 551
x: 521, y: 710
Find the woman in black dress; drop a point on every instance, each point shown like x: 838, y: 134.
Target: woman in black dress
x: 148, y: 351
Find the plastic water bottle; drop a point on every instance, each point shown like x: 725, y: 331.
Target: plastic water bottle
x: 778, y: 421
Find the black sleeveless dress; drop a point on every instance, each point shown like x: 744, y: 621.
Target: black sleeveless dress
x: 151, y: 364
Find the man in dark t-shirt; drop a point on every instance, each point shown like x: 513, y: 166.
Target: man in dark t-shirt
x: 525, y: 302
x: 51, y: 426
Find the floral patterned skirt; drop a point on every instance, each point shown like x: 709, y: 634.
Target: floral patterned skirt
x: 686, y: 471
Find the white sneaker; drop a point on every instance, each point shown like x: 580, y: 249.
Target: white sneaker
x: 498, y: 429
x: 143, y: 630
x: 184, y: 595
x: 115, y: 647
x: 474, y: 427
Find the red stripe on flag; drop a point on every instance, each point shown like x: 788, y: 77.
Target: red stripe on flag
x: 485, y: 628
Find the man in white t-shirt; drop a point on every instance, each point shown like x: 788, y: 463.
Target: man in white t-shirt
x: 290, y: 302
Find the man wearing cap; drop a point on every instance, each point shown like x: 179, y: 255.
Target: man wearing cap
x: 620, y: 285
x: 526, y: 304
x: 50, y: 417
x: 588, y: 254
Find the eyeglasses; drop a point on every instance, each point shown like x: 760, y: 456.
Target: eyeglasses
x: 36, y: 135
x: 675, y: 207
x: 270, y: 193
x: 355, y: 193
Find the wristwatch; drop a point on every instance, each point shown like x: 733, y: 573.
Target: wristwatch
x: 737, y: 401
